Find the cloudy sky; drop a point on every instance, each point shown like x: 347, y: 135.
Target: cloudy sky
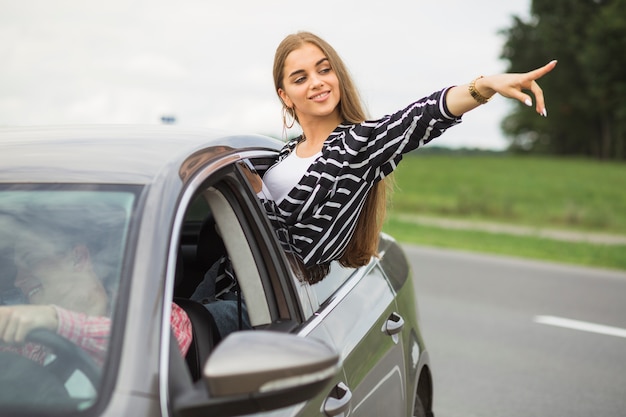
x: 208, y: 63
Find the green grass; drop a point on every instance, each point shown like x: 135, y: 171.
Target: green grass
x: 568, y: 194
x: 603, y: 256
x: 546, y: 192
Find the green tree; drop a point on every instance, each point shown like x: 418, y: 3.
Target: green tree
x: 585, y: 94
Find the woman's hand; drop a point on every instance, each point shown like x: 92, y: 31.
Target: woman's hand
x: 459, y: 100
x: 514, y: 85
x: 18, y: 320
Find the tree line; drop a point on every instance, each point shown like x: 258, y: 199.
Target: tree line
x: 586, y: 94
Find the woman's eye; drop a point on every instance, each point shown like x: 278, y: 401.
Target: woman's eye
x: 27, y: 260
x: 324, y: 70
x: 299, y: 80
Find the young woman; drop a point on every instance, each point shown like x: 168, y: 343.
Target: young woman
x: 327, y: 184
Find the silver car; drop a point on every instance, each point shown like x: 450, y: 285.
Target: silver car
x: 152, y: 209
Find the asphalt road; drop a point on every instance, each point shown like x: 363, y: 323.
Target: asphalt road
x: 510, y: 337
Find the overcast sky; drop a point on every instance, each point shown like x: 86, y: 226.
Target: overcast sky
x: 209, y: 63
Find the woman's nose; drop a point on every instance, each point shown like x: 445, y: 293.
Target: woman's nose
x: 316, y: 82
x: 22, y: 278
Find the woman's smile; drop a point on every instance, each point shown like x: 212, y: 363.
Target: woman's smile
x: 321, y: 96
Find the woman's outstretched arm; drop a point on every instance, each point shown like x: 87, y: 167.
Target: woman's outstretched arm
x: 461, y: 99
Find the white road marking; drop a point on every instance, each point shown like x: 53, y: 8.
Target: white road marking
x: 580, y: 325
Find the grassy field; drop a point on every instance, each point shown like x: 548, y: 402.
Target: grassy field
x: 567, y: 194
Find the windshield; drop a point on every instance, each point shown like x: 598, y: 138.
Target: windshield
x: 61, y: 253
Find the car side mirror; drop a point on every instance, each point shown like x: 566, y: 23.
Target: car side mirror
x: 257, y: 370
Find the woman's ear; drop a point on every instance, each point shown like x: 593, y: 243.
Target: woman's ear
x: 81, y: 257
x: 285, y: 98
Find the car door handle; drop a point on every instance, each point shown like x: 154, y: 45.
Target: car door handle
x: 393, y: 325
x: 338, y: 400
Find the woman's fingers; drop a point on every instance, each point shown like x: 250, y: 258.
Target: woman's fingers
x: 540, y: 72
x: 17, y: 321
x: 8, y: 325
x: 531, y: 84
x: 540, y: 105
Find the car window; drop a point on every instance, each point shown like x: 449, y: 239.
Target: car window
x: 228, y: 260
x: 245, y: 266
x: 324, y: 289
x: 61, y: 256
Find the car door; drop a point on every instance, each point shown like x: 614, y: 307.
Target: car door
x: 361, y: 319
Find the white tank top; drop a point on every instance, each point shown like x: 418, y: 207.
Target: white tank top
x: 285, y: 175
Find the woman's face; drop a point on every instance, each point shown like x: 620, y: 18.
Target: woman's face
x: 310, y: 85
x: 49, y: 272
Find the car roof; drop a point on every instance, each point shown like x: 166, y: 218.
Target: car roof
x: 111, y: 154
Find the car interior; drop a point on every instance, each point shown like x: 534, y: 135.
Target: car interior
x: 190, y: 269
x: 200, y: 247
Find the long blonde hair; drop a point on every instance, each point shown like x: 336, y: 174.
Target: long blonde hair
x: 364, y: 242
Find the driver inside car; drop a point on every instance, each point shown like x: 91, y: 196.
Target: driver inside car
x: 66, y: 295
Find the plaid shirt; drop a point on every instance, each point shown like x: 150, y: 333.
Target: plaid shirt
x: 92, y: 334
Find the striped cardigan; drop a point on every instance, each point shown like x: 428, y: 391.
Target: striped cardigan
x: 318, y: 217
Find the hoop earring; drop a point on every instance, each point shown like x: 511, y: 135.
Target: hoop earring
x: 289, y: 112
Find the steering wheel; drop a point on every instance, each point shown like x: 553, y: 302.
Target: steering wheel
x: 23, y: 382
x: 69, y: 357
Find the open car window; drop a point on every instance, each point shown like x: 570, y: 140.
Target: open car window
x: 230, y: 274
x: 61, y: 255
